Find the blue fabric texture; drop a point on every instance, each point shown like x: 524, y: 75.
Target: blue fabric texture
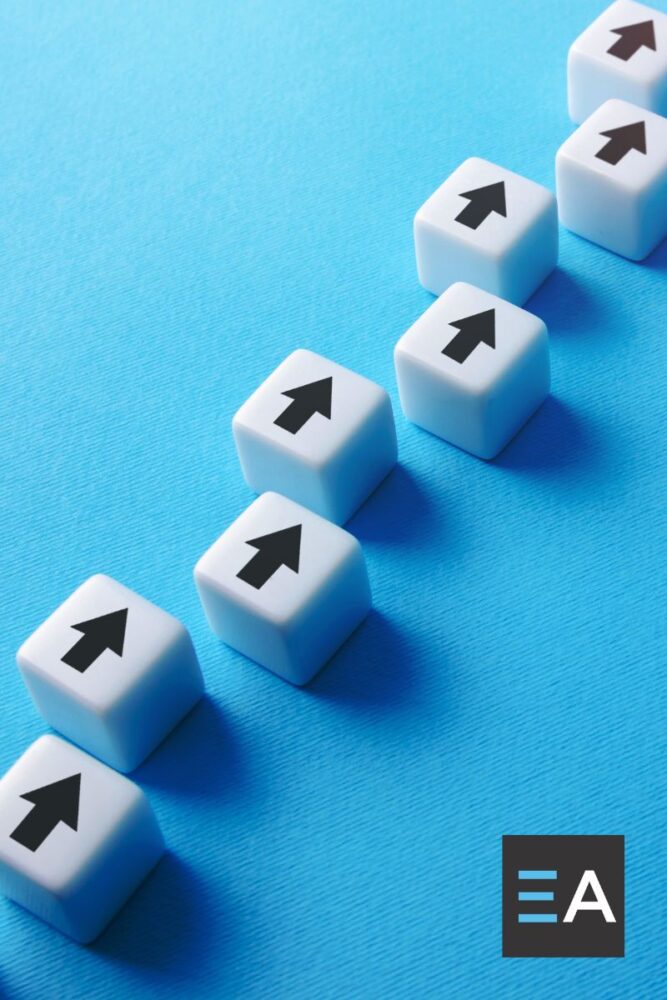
x: 189, y: 192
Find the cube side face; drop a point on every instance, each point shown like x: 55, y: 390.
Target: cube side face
x: 652, y: 223
x: 330, y: 617
x: 35, y: 898
x: 534, y: 256
x: 266, y: 466
x: 258, y: 637
x: 130, y: 853
x: 359, y: 467
x: 438, y: 405
x: 443, y: 258
x: 522, y: 388
x: 77, y: 720
x: 591, y: 82
x: 159, y: 700
x: 596, y: 207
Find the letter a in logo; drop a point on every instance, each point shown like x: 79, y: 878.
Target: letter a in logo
x: 589, y: 880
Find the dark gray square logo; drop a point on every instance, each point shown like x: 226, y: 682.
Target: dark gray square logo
x: 564, y: 897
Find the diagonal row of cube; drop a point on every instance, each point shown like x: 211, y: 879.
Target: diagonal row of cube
x: 113, y: 673
x: 285, y: 584
x: 474, y: 366
x: 611, y: 174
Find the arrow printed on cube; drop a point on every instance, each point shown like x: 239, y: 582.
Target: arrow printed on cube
x: 52, y: 804
x: 307, y: 400
x: 280, y: 548
x: 622, y: 141
x: 473, y: 331
x: 482, y: 202
x: 633, y: 38
x: 99, y: 634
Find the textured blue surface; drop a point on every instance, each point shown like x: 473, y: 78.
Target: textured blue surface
x: 188, y: 192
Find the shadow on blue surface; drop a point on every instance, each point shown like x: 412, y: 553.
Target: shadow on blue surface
x: 374, y: 670
x: 657, y: 261
x: 568, y: 306
x: 399, y: 512
x: 557, y: 442
x: 181, y: 764
x: 160, y: 928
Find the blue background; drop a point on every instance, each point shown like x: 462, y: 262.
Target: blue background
x: 188, y: 192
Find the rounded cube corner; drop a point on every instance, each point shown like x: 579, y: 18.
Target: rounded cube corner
x: 23, y: 658
x: 98, y: 578
x: 472, y: 161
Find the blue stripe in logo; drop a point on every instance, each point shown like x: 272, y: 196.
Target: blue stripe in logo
x: 535, y: 897
x: 537, y: 874
x: 538, y: 918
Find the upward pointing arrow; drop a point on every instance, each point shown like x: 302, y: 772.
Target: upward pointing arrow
x: 307, y: 400
x: 632, y: 38
x: 105, y: 632
x: 474, y: 330
x: 52, y: 804
x: 280, y: 548
x: 482, y: 202
x: 621, y: 141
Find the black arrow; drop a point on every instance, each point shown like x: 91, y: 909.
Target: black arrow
x: 307, y: 400
x: 482, y: 202
x: 474, y: 330
x: 280, y: 548
x: 621, y: 141
x: 105, y: 632
x: 52, y: 804
x: 633, y: 38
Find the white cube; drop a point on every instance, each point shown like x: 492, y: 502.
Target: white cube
x: 317, y: 432
x: 622, y: 54
x: 472, y: 369
x: 76, y: 838
x: 611, y: 177
x: 490, y: 227
x: 284, y: 587
x: 111, y: 671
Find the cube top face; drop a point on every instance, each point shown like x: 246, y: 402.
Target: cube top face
x: 58, y: 807
x: 99, y: 643
x: 309, y: 407
x: 485, y: 207
x: 274, y: 558
x: 629, y: 41
x: 470, y: 339
x: 622, y: 144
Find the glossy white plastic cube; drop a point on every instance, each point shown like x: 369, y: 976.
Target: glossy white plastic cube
x: 317, y: 432
x: 111, y: 671
x: 473, y: 369
x: 622, y: 54
x: 490, y: 227
x: 76, y: 838
x: 611, y: 177
x: 284, y: 587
